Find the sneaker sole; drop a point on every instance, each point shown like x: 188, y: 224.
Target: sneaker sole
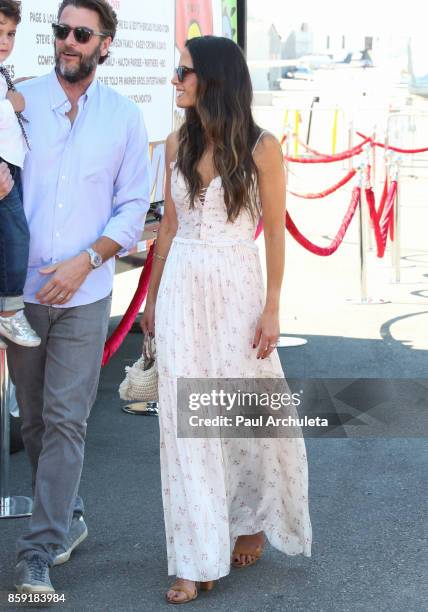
x: 31, y: 588
x: 65, y: 556
x: 10, y: 337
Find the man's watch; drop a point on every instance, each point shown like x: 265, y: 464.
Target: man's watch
x: 95, y: 258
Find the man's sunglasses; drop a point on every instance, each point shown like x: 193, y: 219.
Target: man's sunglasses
x: 81, y: 33
x: 181, y: 72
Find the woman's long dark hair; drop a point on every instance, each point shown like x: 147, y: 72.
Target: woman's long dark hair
x: 222, y: 115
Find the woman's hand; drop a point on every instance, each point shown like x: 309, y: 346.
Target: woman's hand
x: 267, y: 333
x: 147, y: 321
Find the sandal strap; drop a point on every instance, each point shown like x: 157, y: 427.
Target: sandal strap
x: 183, y: 589
x: 253, y: 552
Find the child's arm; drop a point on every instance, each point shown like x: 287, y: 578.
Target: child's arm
x: 13, y: 103
x: 7, y: 114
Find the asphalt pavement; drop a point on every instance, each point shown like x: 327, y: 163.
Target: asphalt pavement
x: 368, y: 499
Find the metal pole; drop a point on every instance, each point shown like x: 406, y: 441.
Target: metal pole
x: 397, y: 229
x: 368, y: 184
x: 350, y: 142
x: 374, y: 159
x: 5, y: 432
x: 311, y: 110
x: 392, y: 168
x: 289, y: 341
x: 363, y: 261
x: 10, y: 507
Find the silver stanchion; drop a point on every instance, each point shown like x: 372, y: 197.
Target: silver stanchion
x: 397, y: 228
x: 365, y: 227
x: 363, y: 256
x: 350, y: 142
x: 142, y: 408
x: 16, y: 506
x: 289, y: 341
x: 369, y: 180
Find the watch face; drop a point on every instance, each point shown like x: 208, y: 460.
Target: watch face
x: 97, y: 260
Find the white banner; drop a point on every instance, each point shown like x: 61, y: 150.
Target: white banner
x: 143, y: 54
x: 141, y: 61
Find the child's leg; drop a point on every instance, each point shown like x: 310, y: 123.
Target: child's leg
x: 14, y: 245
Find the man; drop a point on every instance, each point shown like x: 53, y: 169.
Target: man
x: 86, y: 193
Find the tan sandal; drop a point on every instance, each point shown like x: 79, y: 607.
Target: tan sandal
x: 240, y: 549
x: 204, y: 586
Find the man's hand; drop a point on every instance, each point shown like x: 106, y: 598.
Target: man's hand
x: 17, y: 100
x: 67, y: 277
x: 6, y: 181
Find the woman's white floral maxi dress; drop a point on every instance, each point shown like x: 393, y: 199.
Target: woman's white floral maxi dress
x: 214, y: 489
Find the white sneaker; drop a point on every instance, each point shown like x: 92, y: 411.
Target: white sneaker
x: 3, y: 345
x: 78, y: 532
x: 17, y: 329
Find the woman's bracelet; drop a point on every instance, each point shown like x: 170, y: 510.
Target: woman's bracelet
x: 161, y: 257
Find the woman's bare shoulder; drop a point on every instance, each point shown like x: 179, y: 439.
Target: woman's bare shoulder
x: 171, y: 146
x: 268, y: 150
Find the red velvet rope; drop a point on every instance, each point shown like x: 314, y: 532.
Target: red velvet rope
x: 310, y: 246
x: 387, y: 221
x: 383, y: 198
x: 390, y: 148
x: 380, y: 245
x: 326, y: 251
x: 325, y: 159
x: 323, y: 194
x: 121, y: 331
x: 382, y: 219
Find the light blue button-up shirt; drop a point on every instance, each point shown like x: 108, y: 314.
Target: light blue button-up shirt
x: 82, y: 181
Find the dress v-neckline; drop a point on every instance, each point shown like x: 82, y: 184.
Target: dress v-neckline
x: 204, y: 188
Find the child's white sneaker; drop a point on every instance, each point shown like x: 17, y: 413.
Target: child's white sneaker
x: 17, y: 329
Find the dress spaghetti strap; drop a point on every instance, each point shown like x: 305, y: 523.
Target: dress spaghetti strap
x: 258, y: 140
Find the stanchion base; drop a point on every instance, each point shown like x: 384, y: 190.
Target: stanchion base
x: 369, y: 301
x: 143, y: 408
x: 290, y: 341
x: 16, y: 507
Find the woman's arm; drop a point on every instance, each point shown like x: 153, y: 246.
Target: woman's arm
x: 166, y: 233
x: 271, y: 178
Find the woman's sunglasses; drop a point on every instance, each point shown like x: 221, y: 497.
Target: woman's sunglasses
x: 81, y: 33
x: 181, y: 72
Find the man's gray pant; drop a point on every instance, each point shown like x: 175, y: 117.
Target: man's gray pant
x: 56, y: 385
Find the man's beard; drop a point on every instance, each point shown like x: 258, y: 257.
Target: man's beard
x: 80, y: 71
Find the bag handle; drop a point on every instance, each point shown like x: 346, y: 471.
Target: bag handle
x: 149, y: 350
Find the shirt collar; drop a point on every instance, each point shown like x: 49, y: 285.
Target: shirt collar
x: 58, y: 95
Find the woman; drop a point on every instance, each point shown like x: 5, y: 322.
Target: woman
x: 205, y: 306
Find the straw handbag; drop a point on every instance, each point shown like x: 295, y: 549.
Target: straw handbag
x: 141, y: 380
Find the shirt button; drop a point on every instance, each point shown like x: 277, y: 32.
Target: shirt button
x: 57, y: 234
x: 60, y: 205
x: 63, y: 178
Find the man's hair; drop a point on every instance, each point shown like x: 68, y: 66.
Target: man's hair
x: 107, y: 15
x: 11, y: 9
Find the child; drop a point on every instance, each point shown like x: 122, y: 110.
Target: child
x: 14, y: 234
